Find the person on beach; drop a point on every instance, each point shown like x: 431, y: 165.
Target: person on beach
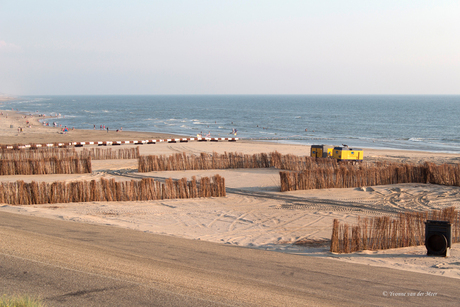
x: 107, y: 129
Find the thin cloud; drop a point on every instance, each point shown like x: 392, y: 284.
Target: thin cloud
x: 9, y: 47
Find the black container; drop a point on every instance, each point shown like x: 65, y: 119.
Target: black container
x: 438, y: 238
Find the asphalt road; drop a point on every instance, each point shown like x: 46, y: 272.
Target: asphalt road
x: 76, y: 264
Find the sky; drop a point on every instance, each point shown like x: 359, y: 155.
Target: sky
x: 177, y: 47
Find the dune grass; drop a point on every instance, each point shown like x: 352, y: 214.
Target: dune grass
x: 20, y: 301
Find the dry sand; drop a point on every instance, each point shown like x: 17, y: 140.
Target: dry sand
x: 254, y: 213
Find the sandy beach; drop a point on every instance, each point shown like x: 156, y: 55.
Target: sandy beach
x: 254, y: 213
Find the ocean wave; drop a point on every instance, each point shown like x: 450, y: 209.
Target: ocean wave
x: 32, y: 100
x: 322, y: 139
x: 369, y: 129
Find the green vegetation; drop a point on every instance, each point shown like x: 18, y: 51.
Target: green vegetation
x: 20, y: 301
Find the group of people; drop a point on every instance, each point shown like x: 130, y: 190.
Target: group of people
x: 200, y: 135
x: 103, y: 127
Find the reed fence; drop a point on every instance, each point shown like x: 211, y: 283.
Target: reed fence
x: 45, y: 166
x: 325, y: 176
x: 204, y: 161
x: 37, y: 153
x: 61, y: 153
x: 376, y: 233
x: 298, y: 163
x: 182, y: 161
x: 21, y: 193
x: 109, y: 153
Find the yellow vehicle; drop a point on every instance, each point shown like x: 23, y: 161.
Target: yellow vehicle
x: 348, y: 154
x: 321, y: 151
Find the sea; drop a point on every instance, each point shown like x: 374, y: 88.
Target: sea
x: 418, y: 122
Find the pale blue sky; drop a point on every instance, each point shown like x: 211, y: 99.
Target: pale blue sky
x: 229, y: 47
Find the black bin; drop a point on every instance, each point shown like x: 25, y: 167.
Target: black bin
x: 438, y: 238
